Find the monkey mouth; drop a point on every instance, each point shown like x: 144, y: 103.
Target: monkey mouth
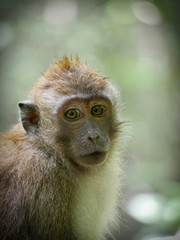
x: 93, y: 158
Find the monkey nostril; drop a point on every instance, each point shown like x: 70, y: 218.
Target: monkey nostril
x: 93, y: 138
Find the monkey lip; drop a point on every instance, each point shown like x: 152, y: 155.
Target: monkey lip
x: 93, y: 158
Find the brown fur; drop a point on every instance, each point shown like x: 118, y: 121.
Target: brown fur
x: 37, y: 186
x: 69, y: 77
x: 29, y: 196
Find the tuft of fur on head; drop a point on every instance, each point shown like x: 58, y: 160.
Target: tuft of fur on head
x: 68, y: 77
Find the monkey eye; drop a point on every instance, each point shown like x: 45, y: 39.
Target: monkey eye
x: 98, y: 110
x: 72, y: 114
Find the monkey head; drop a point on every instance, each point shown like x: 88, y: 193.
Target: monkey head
x: 74, y: 110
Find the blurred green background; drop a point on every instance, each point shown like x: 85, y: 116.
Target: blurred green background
x: 136, y: 44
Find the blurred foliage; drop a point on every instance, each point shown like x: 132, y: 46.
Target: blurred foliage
x: 136, y: 44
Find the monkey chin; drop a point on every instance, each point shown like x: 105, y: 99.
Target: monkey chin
x: 94, y: 158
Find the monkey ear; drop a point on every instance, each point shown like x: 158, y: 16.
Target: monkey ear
x: 30, y: 116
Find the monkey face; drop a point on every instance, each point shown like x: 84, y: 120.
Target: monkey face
x: 84, y: 129
x: 73, y: 110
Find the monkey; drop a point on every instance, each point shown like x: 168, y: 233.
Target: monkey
x: 60, y: 166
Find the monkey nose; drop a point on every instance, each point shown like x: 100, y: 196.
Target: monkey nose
x: 93, y: 137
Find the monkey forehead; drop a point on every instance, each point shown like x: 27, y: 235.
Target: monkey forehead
x: 55, y: 101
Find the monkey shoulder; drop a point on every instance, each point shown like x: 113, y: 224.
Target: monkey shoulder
x: 18, y: 154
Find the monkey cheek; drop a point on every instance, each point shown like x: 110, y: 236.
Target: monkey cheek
x: 91, y: 159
